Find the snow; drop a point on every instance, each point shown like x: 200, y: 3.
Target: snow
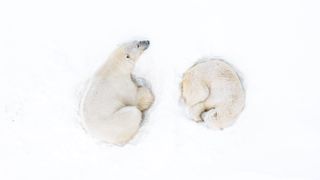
x: 49, y: 49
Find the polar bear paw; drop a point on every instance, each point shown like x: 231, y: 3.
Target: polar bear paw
x: 145, y: 98
x: 140, y: 82
x: 210, y: 117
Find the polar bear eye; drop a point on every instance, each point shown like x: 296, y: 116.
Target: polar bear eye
x: 127, y: 56
x: 138, y: 45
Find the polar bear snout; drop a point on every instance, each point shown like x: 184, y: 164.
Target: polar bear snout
x: 143, y: 44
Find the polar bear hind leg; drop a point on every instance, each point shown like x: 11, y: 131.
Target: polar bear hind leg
x: 122, y: 127
x: 195, y: 94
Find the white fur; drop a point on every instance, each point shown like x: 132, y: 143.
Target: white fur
x: 213, y: 93
x: 113, y: 105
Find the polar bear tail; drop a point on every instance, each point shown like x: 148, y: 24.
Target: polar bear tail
x: 122, y: 126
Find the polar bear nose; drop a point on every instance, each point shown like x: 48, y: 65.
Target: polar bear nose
x: 144, y: 44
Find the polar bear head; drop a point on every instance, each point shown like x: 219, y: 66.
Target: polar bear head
x: 123, y: 58
x: 131, y: 51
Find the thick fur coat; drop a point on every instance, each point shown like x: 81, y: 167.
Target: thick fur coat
x: 114, y: 103
x: 213, y: 93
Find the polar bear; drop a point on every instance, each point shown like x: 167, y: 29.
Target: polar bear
x: 114, y: 102
x: 213, y: 93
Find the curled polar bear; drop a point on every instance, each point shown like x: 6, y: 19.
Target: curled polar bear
x: 213, y: 93
x: 114, y: 102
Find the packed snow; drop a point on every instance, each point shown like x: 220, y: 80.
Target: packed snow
x: 49, y: 50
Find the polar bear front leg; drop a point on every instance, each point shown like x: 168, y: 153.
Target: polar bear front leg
x: 123, y: 126
x: 145, y: 98
x: 196, y: 111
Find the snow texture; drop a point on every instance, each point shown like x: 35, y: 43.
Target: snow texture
x: 49, y: 49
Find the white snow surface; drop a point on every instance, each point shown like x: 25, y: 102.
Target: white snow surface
x: 49, y: 49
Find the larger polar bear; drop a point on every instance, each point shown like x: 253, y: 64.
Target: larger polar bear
x: 114, y: 102
x: 213, y: 93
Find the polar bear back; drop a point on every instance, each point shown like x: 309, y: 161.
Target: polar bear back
x: 224, y: 83
x: 107, y: 95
